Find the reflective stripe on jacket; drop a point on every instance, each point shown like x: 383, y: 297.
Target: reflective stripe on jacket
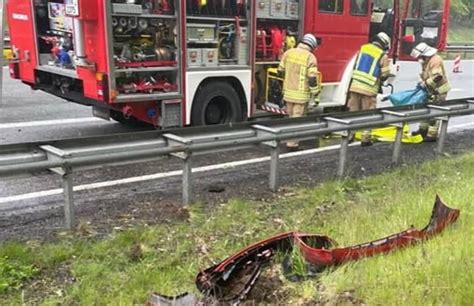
x: 434, y: 76
x: 299, y: 64
x: 370, y: 67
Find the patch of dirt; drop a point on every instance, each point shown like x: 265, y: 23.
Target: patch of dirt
x: 269, y: 288
x: 48, y: 284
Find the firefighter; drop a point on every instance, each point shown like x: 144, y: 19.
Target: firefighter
x: 433, y: 79
x: 371, y: 69
x: 298, y: 67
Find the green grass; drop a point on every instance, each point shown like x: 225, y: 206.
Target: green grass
x: 461, y: 34
x: 127, y: 265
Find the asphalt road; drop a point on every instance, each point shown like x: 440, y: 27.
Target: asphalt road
x: 24, y: 114
x: 151, y: 191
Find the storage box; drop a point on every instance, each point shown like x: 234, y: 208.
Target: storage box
x: 210, y: 57
x: 58, y: 20
x: 263, y: 8
x: 278, y: 9
x: 201, y: 32
x: 293, y: 9
x: 194, y: 56
x: 203, y: 57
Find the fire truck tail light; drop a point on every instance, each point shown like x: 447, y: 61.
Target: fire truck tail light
x: 14, y: 70
x: 99, y: 76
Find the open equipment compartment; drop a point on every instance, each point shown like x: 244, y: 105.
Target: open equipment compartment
x: 144, y: 44
x: 55, y: 37
x: 279, y: 27
x: 217, y: 34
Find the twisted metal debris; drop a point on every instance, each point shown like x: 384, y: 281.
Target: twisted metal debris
x: 231, y: 280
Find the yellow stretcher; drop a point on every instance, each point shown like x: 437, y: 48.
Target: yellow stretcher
x: 387, y: 134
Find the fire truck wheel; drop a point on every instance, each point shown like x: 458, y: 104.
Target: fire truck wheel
x: 216, y: 103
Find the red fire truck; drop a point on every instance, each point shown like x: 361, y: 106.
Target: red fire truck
x: 200, y: 62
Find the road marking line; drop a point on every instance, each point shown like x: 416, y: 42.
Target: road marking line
x: 460, y: 126
x: 137, y: 179
x: 229, y: 165
x: 48, y: 122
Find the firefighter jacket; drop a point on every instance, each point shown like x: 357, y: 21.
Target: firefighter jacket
x: 371, y: 68
x: 299, y: 66
x: 434, y: 77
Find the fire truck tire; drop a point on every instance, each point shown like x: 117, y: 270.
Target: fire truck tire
x: 216, y: 103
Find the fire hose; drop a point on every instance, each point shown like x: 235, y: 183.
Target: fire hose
x: 231, y: 280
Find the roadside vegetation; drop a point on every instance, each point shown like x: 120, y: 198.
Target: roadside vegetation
x: 461, y: 34
x: 125, y: 266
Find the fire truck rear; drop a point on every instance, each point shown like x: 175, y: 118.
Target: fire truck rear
x: 199, y: 62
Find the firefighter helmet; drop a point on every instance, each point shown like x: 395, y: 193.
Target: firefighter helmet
x: 384, y: 40
x: 310, y: 40
x: 422, y: 49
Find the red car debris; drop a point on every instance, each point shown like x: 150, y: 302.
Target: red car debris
x: 232, y: 279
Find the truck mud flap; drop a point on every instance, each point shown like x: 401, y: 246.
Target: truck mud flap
x: 231, y: 280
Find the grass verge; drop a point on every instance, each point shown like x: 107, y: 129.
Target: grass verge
x: 125, y: 266
x: 460, y: 34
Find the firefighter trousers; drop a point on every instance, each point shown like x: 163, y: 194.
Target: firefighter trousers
x: 431, y: 127
x: 295, y: 110
x: 359, y: 102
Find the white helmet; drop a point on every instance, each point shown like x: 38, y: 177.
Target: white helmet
x: 310, y: 40
x: 384, y: 39
x: 422, y: 49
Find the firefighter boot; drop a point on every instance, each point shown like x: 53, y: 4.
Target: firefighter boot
x: 366, y: 139
x: 432, y: 134
x: 292, y: 146
x: 420, y: 131
x: 290, y: 149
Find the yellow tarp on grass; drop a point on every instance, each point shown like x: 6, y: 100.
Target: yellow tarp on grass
x: 387, y: 134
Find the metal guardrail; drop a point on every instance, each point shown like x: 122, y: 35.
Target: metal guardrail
x: 460, y: 49
x: 65, y: 156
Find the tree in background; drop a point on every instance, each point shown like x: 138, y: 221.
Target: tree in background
x: 462, y: 12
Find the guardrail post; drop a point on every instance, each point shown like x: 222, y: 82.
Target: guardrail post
x: 187, y: 176
x: 397, y: 145
x: 187, y: 183
x: 442, y: 134
x: 343, y: 153
x: 274, y: 166
x: 68, y: 191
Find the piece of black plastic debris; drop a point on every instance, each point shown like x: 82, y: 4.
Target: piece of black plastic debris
x: 216, y: 188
